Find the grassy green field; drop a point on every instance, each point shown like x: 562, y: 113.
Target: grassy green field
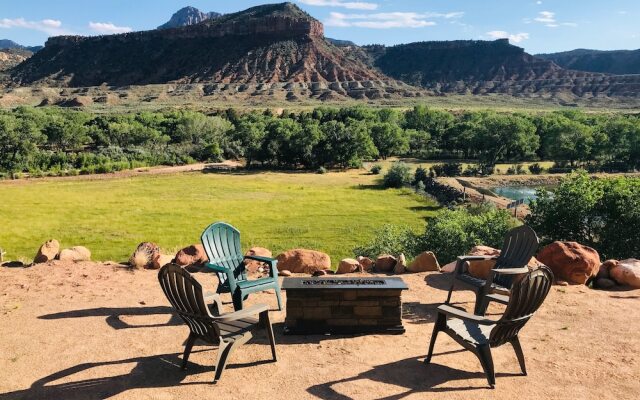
x: 333, y: 212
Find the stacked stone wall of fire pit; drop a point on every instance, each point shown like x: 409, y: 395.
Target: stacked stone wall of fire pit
x: 344, y: 306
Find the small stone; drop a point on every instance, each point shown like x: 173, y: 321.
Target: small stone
x: 47, y: 252
x: 561, y: 283
x: 284, y: 273
x: 366, y: 263
x: 401, y: 265
x: 385, y: 263
x: 75, y: 254
x: 348, y: 266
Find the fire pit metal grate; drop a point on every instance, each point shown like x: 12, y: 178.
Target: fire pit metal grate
x: 332, y: 282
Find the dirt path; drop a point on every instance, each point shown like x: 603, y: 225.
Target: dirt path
x: 158, y: 170
x: 93, y: 331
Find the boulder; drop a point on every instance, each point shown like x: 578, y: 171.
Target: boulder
x: 571, y: 261
x: 424, y: 262
x: 47, y: 252
x: 161, y: 260
x: 191, y: 255
x: 253, y: 266
x: 385, y: 263
x: 76, y: 253
x: 144, y: 255
x: 300, y: 261
x: 627, y: 273
x: 401, y: 265
x: 348, y: 266
x: 604, y: 283
x: 480, y: 268
x: 284, y: 273
x: 603, y: 271
x: 366, y: 263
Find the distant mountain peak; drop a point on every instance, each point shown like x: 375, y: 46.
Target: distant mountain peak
x: 188, y: 16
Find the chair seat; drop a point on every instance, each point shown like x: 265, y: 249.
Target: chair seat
x: 230, y: 331
x: 478, y: 283
x: 255, y: 282
x: 469, y: 331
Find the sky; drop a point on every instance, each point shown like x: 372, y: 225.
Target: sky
x: 539, y: 26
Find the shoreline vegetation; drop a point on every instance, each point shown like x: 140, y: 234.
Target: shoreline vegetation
x: 58, y: 142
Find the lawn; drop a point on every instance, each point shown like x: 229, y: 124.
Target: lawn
x: 333, y: 212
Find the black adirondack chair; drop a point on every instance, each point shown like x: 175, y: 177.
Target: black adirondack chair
x: 519, y: 246
x: 227, y: 331
x: 479, y: 334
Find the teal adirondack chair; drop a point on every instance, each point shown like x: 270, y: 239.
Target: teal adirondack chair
x: 221, y: 242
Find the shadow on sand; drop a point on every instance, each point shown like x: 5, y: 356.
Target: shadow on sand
x: 114, y: 315
x: 411, y: 374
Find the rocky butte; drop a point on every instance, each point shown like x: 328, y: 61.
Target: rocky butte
x: 276, y: 43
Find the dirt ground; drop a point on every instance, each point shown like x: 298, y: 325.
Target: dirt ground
x: 95, y: 331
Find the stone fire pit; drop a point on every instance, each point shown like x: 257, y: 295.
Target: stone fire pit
x: 344, y: 305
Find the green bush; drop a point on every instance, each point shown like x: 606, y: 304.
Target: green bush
x: 376, y: 169
x: 600, y: 213
x: 420, y: 175
x: 390, y: 239
x: 321, y: 170
x: 448, y: 169
x: 452, y: 233
x: 398, y: 175
x: 536, y: 169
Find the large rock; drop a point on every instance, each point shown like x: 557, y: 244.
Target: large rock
x: 366, y: 263
x: 47, y: 252
x: 401, y: 265
x: 603, y: 271
x: 144, y: 255
x: 191, y: 255
x: 160, y: 261
x: 303, y: 261
x: 480, y: 268
x: 627, y: 273
x: 424, y: 262
x: 385, y: 263
x: 348, y: 266
x: 253, y: 266
x: 76, y: 253
x: 571, y: 261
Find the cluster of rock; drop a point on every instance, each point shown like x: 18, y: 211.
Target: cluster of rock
x: 50, y: 251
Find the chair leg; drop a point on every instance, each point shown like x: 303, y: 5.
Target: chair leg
x: 453, y: 284
x: 187, y: 350
x: 437, y: 327
x: 279, y: 298
x: 484, y: 354
x: 267, y: 326
x: 224, y: 351
x: 515, y: 342
x: 481, y: 304
x: 237, y: 300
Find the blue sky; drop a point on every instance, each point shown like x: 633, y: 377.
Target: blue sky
x: 537, y: 25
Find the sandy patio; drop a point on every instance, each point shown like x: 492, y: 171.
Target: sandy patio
x: 95, y: 331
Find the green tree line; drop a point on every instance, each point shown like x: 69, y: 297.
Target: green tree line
x: 57, y: 141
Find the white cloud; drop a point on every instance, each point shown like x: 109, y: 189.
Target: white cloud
x: 548, y: 18
x: 538, y: 2
x: 513, y: 37
x: 107, y: 28
x: 353, y: 5
x: 49, y: 26
x: 388, y: 20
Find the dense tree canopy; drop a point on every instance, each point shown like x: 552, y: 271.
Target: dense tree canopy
x: 54, y: 140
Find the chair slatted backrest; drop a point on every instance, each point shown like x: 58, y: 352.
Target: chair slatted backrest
x: 519, y: 246
x: 221, y: 242
x: 185, y: 295
x: 527, y: 295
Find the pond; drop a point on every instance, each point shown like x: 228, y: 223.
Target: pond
x: 527, y: 193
